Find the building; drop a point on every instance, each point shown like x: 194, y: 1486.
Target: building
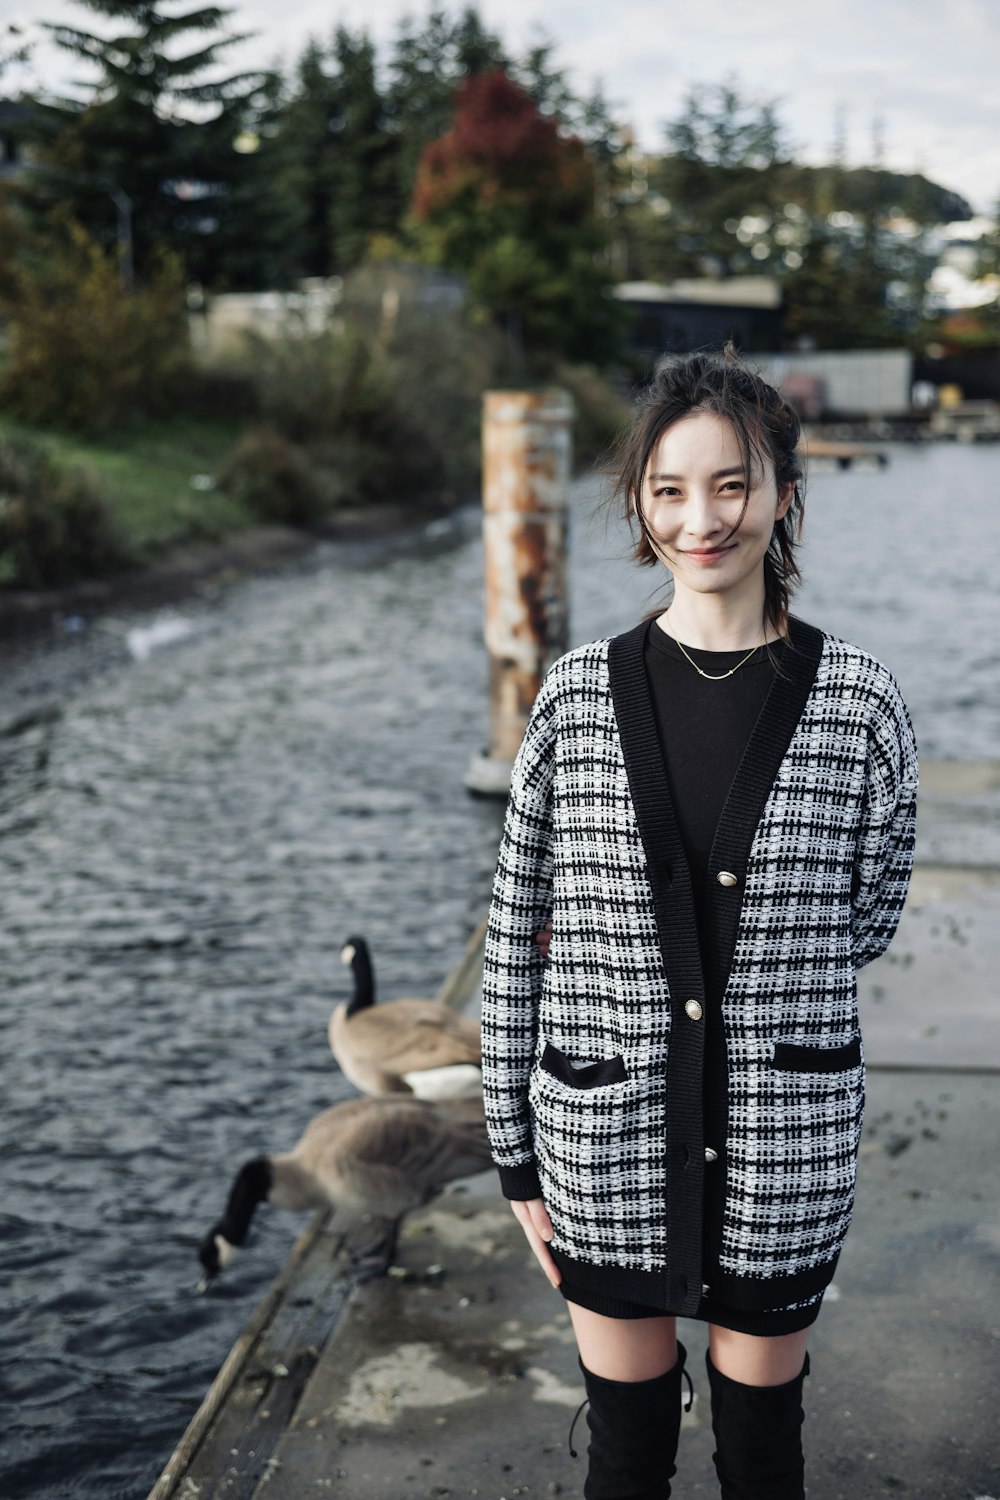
x: 680, y: 316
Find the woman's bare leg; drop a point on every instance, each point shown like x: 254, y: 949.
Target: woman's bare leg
x: 624, y: 1348
x: 757, y: 1413
x: 632, y: 1371
x: 758, y: 1361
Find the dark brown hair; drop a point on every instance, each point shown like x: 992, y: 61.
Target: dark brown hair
x: 766, y: 427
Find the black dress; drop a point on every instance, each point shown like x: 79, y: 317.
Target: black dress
x: 703, y: 728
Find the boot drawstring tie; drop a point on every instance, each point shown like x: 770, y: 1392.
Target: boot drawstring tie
x: 572, y: 1451
x: 687, y: 1405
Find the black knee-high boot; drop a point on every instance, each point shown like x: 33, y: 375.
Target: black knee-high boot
x: 634, y: 1428
x: 758, y: 1436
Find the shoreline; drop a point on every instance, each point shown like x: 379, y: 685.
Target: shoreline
x: 197, y: 564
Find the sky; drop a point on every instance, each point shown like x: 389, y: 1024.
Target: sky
x: 926, y: 70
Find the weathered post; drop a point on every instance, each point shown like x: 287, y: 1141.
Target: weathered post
x: 526, y: 469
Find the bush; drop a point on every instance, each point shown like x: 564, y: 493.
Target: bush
x: 55, y: 527
x: 601, y: 414
x: 218, y: 390
x: 273, y: 479
x: 385, y: 401
x: 86, y: 352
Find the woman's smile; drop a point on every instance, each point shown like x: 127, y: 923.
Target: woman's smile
x: 708, y: 520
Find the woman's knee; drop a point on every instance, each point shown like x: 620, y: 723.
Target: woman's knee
x: 628, y: 1349
x: 758, y: 1361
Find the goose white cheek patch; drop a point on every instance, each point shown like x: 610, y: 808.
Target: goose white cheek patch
x: 227, y: 1252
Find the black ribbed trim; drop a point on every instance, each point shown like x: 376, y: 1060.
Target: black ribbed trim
x: 792, y: 1057
x: 741, y: 1293
x: 520, y: 1183
x: 591, y: 1076
x: 673, y: 903
x: 723, y: 905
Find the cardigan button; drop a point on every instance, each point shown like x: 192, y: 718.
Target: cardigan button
x: 710, y: 1154
x: 705, y: 1289
x: 694, y: 1010
x: 726, y: 878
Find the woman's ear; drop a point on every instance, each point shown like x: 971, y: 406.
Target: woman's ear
x: 785, y: 497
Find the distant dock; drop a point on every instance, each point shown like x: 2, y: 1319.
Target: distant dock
x: 844, y: 455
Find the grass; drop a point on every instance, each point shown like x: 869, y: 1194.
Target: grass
x: 145, y: 475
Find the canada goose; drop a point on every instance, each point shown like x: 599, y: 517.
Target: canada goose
x: 403, y: 1046
x: 381, y: 1157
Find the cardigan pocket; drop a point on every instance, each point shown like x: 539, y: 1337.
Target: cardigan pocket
x: 591, y: 1076
x: 795, y: 1057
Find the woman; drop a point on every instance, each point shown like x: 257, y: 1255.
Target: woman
x: 713, y: 814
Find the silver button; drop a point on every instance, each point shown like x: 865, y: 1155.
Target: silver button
x: 705, y: 1289
x: 726, y: 877
x: 711, y: 1155
x: 694, y: 1010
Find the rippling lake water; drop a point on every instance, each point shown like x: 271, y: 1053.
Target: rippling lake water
x: 230, y: 789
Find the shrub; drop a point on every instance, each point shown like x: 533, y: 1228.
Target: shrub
x: 273, y: 479
x: 55, y: 526
x: 85, y: 351
x: 600, y: 412
x: 386, y: 400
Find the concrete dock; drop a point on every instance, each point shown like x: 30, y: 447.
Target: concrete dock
x: 456, y: 1374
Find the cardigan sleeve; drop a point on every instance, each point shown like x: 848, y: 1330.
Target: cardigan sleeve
x: 513, y: 965
x: 884, y: 856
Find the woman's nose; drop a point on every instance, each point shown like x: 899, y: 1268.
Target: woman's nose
x: 701, y: 518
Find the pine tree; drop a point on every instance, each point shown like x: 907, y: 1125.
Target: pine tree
x: 364, y: 158
x: 153, y: 138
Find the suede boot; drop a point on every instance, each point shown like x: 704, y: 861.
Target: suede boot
x: 634, y: 1428
x: 758, y: 1436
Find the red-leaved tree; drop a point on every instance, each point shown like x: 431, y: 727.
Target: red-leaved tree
x: 506, y: 200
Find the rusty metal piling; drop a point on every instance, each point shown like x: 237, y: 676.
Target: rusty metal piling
x: 526, y: 470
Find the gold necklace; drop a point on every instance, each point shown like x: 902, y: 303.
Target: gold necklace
x: 711, y: 676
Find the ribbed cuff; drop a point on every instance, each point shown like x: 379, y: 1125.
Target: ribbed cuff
x: 520, y: 1183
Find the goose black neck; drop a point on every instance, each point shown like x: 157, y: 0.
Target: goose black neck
x: 364, y: 977
x: 252, y: 1186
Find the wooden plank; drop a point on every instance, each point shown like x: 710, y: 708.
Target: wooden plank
x: 310, y: 1289
x: 461, y: 984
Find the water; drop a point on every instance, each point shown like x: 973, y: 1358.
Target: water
x: 231, y: 789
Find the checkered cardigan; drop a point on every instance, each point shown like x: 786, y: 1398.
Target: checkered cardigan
x: 594, y: 1063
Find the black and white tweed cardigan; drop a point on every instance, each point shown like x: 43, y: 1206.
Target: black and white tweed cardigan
x: 594, y: 1057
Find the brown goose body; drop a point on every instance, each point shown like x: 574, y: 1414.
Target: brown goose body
x: 382, y: 1157
x: 403, y: 1046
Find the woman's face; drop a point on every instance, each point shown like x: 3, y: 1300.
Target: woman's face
x: 693, y: 496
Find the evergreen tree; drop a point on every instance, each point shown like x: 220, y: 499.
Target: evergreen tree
x: 305, y: 144
x: 722, y: 184
x: 153, y: 141
x: 365, y: 196
x: 337, y: 157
